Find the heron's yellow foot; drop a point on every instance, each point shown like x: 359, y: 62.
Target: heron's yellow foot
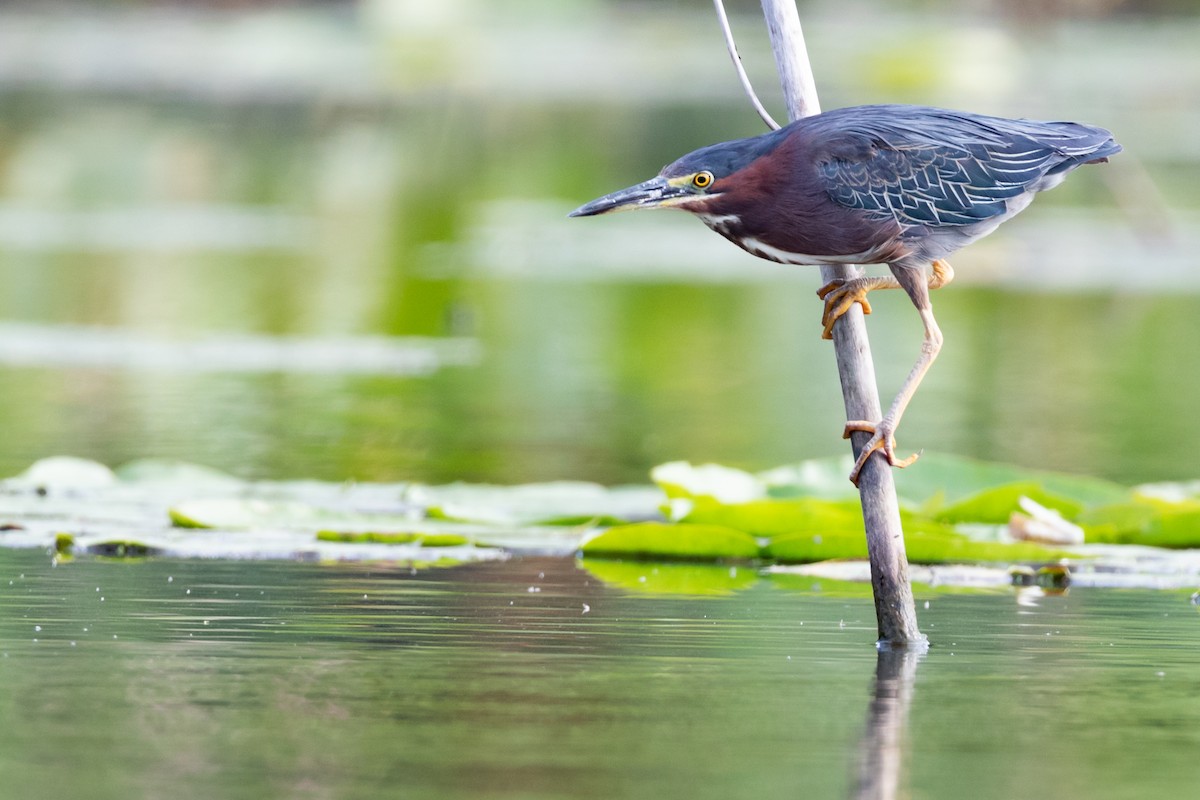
x: 839, y: 294
x: 882, y: 439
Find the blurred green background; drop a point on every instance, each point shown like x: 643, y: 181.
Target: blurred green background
x: 329, y: 240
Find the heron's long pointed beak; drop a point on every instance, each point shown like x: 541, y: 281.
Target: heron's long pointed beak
x: 648, y: 194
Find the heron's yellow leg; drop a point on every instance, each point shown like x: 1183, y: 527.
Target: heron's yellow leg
x: 883, y: 432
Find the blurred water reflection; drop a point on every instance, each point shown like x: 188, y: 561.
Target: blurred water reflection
x: 388, y: 169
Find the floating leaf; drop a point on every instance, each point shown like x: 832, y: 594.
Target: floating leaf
x: 376, y: 537
x: 159, y: 470
x: 819, y: 477
x: 995, y: 505
x: 667, y: 578
x: 944, y: 478
x: 683, y: 541
x: 370, y: 536
x: 957, y: 478
x: 560, y: 502
x: 64, y: 472
x: 804, y: 547
x: 923, y: 547
x: 443, y: 540
x: 723, y: 484
x: 1147, y: 521
x: 775, y: 517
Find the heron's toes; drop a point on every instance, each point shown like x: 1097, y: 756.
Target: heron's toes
x: 839, y: 294
x: 881, y: 440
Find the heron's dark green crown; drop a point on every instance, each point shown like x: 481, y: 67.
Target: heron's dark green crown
x: 726, y: 158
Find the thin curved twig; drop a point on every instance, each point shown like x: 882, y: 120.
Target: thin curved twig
x: 741, y: 71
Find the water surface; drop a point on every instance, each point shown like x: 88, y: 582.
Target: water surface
x: 531, y: 678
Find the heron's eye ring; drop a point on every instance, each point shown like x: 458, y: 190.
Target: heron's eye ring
x: 702, y: 180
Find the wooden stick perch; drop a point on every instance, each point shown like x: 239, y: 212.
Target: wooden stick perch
x: 894, y: 607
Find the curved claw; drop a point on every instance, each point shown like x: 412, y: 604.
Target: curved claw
x: 881, y: 439
x: 839, y: 294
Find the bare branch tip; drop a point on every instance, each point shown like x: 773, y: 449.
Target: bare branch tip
x: 741, y: 70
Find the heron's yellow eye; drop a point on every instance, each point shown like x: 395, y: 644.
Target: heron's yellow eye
x: 702, y: 180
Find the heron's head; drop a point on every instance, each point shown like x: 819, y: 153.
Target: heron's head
x: 694, y: 182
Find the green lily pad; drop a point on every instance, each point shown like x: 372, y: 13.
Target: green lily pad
x: 682, y: 541
x: 922, y: 546
x: 159, y: 470
x: 372, y: 537
x: 772, y: 518
x: 566, y: 503
x: 668, y: 578
x: 231, y: 513
x: 679, y: 479
x: 957, y: 478
x: 945, y: 479
x: 800, y: 547
x: 1146, y: 521
x: 997, y: 504
x: 65, y: 472
x: 376, y: 537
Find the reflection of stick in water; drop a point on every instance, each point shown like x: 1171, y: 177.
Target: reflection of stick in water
x: 883, y: 748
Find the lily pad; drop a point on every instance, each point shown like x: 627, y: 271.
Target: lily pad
x: 997, y: 504
x: 771, y: 518
x: 667, y: 578
x: 64, y: 472
x: 369, y: 536
x: 377, y: 537
x: 679, y: 479
x: 945, y: 479
x: 560, y: 502
x: 682, y: 541
x: 159, y: 471
x: 1147, y: 521
x: 923, y: 547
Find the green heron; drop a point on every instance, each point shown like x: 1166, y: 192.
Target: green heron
x: 899, y: 185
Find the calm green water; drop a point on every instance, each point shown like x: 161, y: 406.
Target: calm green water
x: 194, y: 679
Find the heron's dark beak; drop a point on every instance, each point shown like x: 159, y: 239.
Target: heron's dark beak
x: 649, y: 194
